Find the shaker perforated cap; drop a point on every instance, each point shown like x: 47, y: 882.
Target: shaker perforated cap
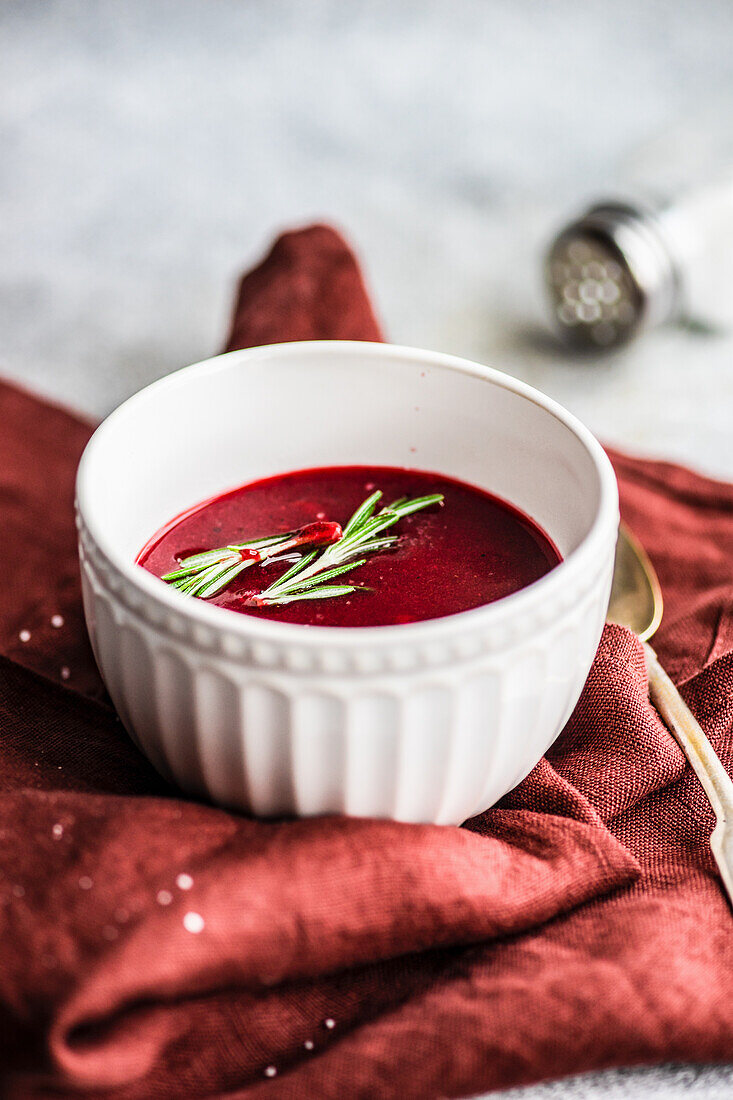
x: 609, y: 277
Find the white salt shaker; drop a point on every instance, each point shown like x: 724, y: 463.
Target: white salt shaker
x: 662, y: 250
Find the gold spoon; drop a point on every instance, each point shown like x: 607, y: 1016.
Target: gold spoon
x: 636, y: 602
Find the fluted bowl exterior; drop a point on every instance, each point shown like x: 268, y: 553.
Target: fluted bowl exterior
x: 429, y: 722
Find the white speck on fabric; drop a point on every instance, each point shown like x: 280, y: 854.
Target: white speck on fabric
x: 194, y: 922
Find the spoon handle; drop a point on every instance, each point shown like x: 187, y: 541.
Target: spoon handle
x: 702, y: 757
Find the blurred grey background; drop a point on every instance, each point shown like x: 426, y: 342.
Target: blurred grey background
x: 150, y: 149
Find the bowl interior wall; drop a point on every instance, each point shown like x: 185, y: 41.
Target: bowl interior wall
x: 208, y: 429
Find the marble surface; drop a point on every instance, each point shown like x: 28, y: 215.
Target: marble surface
x: 151, y: 150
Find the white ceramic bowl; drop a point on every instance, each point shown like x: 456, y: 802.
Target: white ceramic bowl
x: 431, y: 721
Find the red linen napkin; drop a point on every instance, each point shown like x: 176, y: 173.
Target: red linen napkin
x: 153, y: 947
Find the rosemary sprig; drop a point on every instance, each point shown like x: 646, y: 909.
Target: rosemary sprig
x: 310, y: 577
x: 206, y: 574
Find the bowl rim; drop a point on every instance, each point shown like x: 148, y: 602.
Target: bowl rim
x: 250, y: 628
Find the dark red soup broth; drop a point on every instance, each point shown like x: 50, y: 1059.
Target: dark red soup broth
x: 470, y: 550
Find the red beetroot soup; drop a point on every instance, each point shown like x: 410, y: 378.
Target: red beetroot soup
x: 470, y: 550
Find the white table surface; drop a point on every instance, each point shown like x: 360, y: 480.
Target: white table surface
x: 149, y: 151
